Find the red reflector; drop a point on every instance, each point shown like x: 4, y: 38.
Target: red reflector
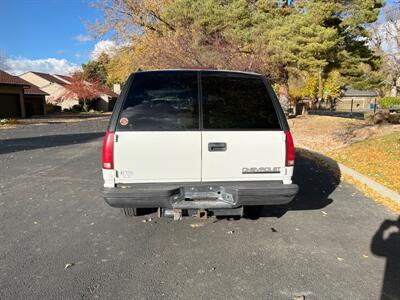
x: 108, y: 150
x: 289, y: 149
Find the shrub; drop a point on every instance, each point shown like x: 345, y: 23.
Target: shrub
x: 51, y: 108
x: 381, y: 117
x: 77, y: 108
x: 394, y: 118
x: 386, y: 117
x: 387, y: 102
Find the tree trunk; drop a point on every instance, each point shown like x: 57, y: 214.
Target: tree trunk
x: 320, y: 86
x: 85, y: 106
x: 393, y: 91
x: 284, y: 90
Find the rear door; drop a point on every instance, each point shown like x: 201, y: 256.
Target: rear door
x: 242, y: 139
x: 158, y: 138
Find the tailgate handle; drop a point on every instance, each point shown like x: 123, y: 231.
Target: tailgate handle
x: 216, y: 147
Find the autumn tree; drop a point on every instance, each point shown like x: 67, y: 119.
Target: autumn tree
x: 121, y: 65
x: 278, y: 38
x: 311, y: 87
x: 85, y: 90
x: 96, y: 70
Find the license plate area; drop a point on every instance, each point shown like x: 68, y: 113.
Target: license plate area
x: 212, y: 196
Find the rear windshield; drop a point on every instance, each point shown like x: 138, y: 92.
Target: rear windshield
x: 237, y: 102
x: 161, y: 101
x: 168, y: 100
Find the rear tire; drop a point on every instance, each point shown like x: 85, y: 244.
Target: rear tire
x: 130, y: 211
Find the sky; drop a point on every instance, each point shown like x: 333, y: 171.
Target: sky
x: 49, y: 35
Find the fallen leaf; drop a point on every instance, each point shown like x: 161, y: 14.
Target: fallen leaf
x: 196, y: 225
x: 365, y: 256
x: 340, y: 259
x: 69, y: 265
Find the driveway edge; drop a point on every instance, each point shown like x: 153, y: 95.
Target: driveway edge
x: 373, y: 185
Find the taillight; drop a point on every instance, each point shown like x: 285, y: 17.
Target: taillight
x: 108, y: 150
x: 289, y: 149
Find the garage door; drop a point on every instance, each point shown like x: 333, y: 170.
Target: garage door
x: 10, y: 106
x: 33, y: 105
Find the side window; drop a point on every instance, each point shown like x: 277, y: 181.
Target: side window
x: 237, y: 102
x: 161, y: 101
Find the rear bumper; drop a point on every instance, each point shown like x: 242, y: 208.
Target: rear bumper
x: 204, y: 195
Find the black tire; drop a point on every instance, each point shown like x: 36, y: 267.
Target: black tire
x: 130, y: 212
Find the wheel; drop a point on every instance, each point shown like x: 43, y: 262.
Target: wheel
x: 130, y: 211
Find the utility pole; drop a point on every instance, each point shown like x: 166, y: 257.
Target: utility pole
x: 351, y: 108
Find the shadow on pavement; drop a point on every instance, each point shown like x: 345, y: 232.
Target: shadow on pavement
x: 31, y: 143
x: 386, y: 243
x: 316, y: 183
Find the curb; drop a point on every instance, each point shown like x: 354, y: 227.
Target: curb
x: 375, y: 186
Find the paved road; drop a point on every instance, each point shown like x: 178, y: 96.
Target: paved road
x: 329, y: 244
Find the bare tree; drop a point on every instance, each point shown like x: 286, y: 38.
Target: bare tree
x: 386, y: 42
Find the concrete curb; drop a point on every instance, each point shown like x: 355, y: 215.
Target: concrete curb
x: 375, y: 186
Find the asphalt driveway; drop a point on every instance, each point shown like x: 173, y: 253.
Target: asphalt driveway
x: 330, y: 243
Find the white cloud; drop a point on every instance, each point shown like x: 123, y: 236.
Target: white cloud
x: 21, y: 65
x: 105, y: 46
x: 83, y: 38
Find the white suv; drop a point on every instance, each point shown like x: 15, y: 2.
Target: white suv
x: 197, y: 142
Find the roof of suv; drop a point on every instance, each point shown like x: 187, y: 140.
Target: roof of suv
x: 201, y: 69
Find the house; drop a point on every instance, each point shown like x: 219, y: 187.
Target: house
x: 55, y: 86
x: 34, y: 100
x: 357, y: 100
x: 19, y: 98
x: 106, y: 100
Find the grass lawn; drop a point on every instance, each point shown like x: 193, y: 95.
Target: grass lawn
x: 10, y: 122
x: 377, y: 158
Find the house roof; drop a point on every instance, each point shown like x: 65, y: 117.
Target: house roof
x: 29, y: 88
x: 358, y: 93
x: 65, y: 77
x: 110, y: 92
x: 9, y: 79
x: 50, y: 78
x: 34, y: 90
x: 63, y: 80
